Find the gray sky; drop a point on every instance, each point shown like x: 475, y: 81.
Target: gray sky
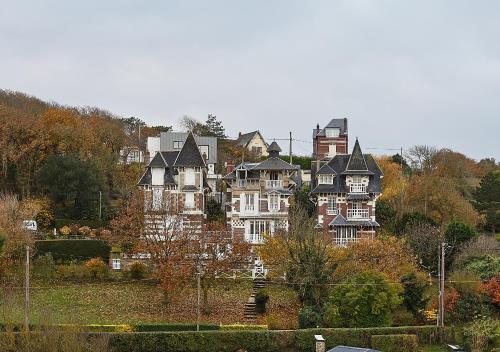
x: 403, y: 72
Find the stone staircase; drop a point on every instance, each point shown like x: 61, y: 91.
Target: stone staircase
x: 250, y: 305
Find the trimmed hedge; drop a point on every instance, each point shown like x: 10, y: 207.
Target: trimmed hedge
x: 93, y: 224
x: 67, y: 250
x: 172, y: 327
x: 265, y: 340
x: 395, y: 343
x: 235, y: 327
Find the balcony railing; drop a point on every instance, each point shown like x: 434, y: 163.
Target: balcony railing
x: 254, y: 238
x: 274, y: 207
x: 358, y: 188
x: 357, y: 214
x: 333, y: 211
x: 245, y: 183
x: 274, y: 184
x: 249, y: 207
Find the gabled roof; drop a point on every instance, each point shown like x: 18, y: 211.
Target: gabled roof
x: 157, y: 161
x: 326, y: 170
x: 145, y: 178
x: 190, y: 153
x: 341, y: 124
x: 170, y: 157
x: 246, y: 138
x: 275, y: 164
x: 357, y: 160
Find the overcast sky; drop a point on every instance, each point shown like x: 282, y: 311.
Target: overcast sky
x: 403, y: 72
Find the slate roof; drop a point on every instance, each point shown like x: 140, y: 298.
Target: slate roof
x: 275, y: 164
x: 245, y: 138
x: 146, y: 178
x: 343, y: 165
x: 170, y: 157
x: 274, y: 147
x: 190, y: 188
x: 157, y: 161
x: 358, y: 196
x: 190, y: 154
x: 334, y: 123
x: 357, y: 162
x: 339, y: 220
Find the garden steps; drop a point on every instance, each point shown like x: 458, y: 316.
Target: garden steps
x: 250, y: 306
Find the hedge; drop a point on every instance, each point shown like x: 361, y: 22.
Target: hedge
x: 172, y: 327
x: 67, y: 250
x: 266, y: 340
x: 395, y: 343
x: 93, y: 224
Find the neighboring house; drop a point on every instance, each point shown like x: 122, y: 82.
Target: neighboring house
x: 177, y: 177
x: 330, y: 140
x: 258, y: 196
x: 254, y: 142
x: 174, y: 141
x: 346, y: 189
x: 129, y: 155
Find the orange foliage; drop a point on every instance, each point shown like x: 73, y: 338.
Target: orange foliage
x: 492, y: 289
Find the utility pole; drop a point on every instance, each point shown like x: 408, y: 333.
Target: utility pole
x: 27, y: 290
x: 290, y: 151
x: 442, y: 285
x: 199, y: 296
x: 100, y: 205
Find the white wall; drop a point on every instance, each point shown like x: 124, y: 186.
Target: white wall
x: 153, y: 146
x: 157, y: 176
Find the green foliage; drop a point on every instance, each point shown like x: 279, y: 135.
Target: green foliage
x: 44, y: 266
x: 363, y: 300
x: 73, y: 186
x: 411, y: 219
x: 68, y: 250
x: 214, y: 211
x: 93, y: 224
x: 303, y: 161
x: 470, y: 306
x: 482, y: 334
x: 395, y: 343
x: 487, y: 199
x: 309, y: 318
x: 484, y: 267
x: 261, y: 299
x: 424, y: 239
x: 172, y: 327
x: 414, y: 293
x: 2, y: 241
x: 137, y: 270
x: 302, y: 200
x: 385, y: 215
x: 456, y: 235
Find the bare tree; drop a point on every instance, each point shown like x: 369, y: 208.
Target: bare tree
x: 422, y: 158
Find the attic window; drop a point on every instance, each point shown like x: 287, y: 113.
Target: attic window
x: 332, y: 132
x: 325, y: 179
x: 178, y: 144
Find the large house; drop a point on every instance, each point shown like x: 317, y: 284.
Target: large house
x: 345, y: 189
x: 330, y: 140
x: 177, y: 178
x: 258, y: 196
x: 254, y: 142
x: 173, y: 142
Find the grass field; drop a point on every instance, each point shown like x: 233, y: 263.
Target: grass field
x: 122, y: 303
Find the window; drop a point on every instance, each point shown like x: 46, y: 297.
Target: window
x: 204, y: 151
x: 249, y: 201
x: 345, y: 234
x: 332, y: 205
x: 332, y: 132
x: 189, y: 177
x: 256, y: 229
x: 257, y: 150
x: 274, y: 202
x: 117, y: 264
x: 325, y: 179
x: 178, y: 144
x: 189, y: 202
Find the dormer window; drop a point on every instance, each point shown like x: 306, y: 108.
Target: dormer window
x: 325, y: 179
x: 332, y: 132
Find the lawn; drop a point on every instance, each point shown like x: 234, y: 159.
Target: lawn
x: 121, y: 303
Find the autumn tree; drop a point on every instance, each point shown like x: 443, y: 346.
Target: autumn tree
x: 394, y: 183
x: 424, y: 240
x: 390, y: 256
x: 305, y: 255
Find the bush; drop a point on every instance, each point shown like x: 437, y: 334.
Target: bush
x: 309, y: 318
x: 72, y: 271
x: 96, y: 267
x: 395, y: 343
x: 485, y: 267
x: 93, y: 224
x: 261, y: 299
x: 137, y: 270
x: 482, y: 334
x: 44, y: 266
x: 69, y: 250
x: 65, y: 230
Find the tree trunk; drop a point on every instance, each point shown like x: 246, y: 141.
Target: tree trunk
x: 206, y: 308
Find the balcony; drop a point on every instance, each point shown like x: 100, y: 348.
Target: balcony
x: 274, y: 184
x: 274, y: 207
x: 332, y: 211
x: 249, y: 207
x: 246, y: 183
x: 357, y: 188
x: 357, y: 214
